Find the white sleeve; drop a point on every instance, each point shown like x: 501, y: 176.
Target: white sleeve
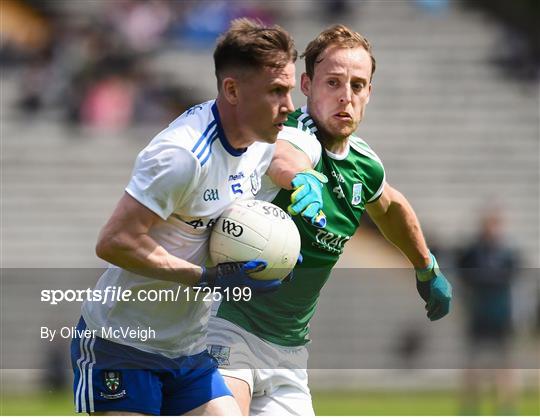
x: 163, y: 176
x: 303, y: 140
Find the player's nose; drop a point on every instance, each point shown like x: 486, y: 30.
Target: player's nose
x: 288, y: 106
x: 345, y: 95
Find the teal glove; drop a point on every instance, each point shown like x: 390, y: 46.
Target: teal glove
x: 434, y: 289
x: 307, y: 197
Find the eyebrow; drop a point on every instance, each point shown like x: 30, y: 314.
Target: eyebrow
x: 283, y: 85
x: 355, y: 78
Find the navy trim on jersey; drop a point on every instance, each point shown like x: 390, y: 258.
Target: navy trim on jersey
x: 207, y: 148
x: 221, y: 134
x: 203, y: 136
x: 210, y: 143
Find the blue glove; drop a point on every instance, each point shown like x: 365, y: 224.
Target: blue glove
x: 236, y: 274
x: 434, y: 289
x: 307, y: 197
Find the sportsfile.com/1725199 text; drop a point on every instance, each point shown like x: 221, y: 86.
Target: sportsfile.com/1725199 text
x: 118, y: 294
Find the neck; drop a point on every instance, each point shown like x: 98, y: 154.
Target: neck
x: 231, y: 126
x: 335, y: 145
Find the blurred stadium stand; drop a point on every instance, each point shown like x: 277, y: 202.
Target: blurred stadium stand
x: 453, y: 130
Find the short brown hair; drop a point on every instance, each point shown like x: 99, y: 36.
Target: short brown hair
x: 339, y: 35
x: 250, y: 44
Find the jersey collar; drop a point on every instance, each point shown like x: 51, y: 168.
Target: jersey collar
x: 221, y: 135
x: 341, y: 156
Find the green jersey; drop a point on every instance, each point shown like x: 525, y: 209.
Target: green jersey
x: 354, y: 178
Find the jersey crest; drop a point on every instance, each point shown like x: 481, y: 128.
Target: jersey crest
x: 356, y: 194
x: 220, y: 353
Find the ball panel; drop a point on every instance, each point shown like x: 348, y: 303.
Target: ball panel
x: 281, y: 251
x: 255, y: 229
x: 245, y: 216
x: 234, y: 250
x: 227, y: 229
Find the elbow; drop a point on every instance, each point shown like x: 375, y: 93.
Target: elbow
x: 103, y: 249
x: 107, y: 247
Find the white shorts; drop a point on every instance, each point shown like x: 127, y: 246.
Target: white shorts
x: 276, y: 375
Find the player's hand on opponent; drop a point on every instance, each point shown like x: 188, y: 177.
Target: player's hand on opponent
x: 307, y: 197
x: 236, y: 274
x: 435, y: 289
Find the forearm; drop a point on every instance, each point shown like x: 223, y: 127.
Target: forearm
x: 287, y: 162
x: 397, y: 221
x: 400, y: 225
x: 142, y: 255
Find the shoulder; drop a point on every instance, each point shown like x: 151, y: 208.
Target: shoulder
x: 301, y: 120
x: 165, y: 153
x: 301, y: 135
x: 361, y: 147
x: 193, y: 131
x: 304, y: 141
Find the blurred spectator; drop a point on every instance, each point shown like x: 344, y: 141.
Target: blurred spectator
x: 199, y: 25
x: 434, y: 7
x: 141, y: 24
x: 487, y: 268
x: 23, y: 27
x: 109, y: 104
x: 90, y: 68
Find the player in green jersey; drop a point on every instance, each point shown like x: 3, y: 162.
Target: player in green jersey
x: 261, y: 343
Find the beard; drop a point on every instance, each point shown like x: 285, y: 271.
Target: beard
x: 334, y: 132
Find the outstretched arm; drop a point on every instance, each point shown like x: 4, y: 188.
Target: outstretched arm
x: 397, y: 221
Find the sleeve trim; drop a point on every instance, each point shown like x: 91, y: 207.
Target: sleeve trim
x: 146, y: 203
x: 379, y: 192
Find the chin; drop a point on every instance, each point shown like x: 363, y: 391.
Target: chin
x: 347, y: 133
x: 344, y: 132
x: 339, y: 134
x: 268, y: 139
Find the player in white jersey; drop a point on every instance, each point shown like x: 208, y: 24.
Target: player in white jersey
x: 157, y: 237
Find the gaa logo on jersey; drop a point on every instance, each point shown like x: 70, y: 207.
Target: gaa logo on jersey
x: 113, y: 380
x: 356, y: 194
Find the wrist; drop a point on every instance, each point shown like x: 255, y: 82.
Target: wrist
x: 427, y: 273
x: 205, y: 278
x: 315, y: 174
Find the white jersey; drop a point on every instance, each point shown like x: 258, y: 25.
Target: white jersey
x: 188, y: 175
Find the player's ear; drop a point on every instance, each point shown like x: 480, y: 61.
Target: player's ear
x: 305, y: 83
x: 229, y: 88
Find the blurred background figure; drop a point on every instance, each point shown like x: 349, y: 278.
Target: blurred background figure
x: 488, y: 267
